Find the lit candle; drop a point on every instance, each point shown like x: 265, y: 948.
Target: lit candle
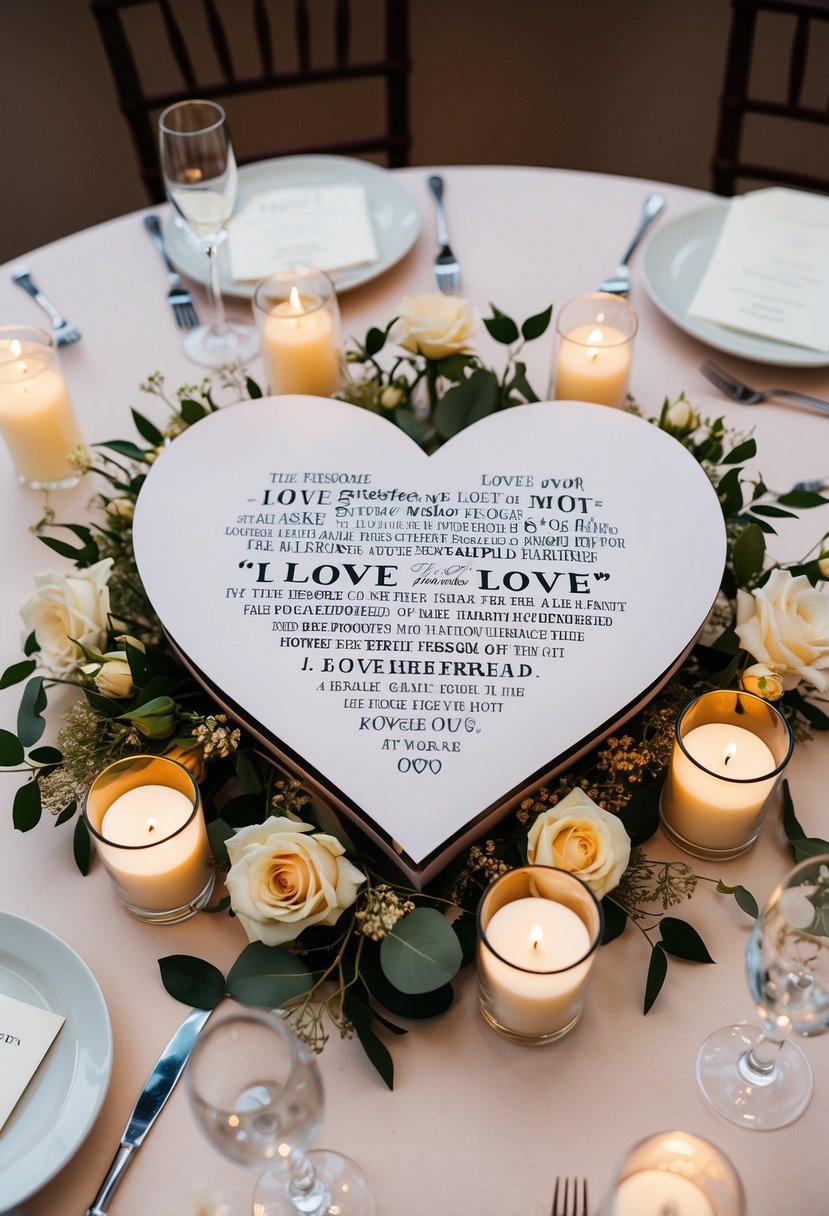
x: 300, y: 345
x: 593, y: 364
x: 660, y: 1193
x: 36, y: 416
x: 720, y: 804
x: 151, y: 837
x: 535, y: 966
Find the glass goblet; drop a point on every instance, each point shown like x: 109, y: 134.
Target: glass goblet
x: 257, y: 1094
x: 755, y: 1076
x: 202, y: 183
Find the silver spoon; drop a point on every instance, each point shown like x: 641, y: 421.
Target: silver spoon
x: 618, y: 284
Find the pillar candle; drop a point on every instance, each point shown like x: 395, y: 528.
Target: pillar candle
x: 300, y: 345
x: 36, y: 416
x: 660, y: 1193
x: 593, y: 365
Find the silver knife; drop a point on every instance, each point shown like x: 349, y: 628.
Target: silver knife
x: 155, y: 1093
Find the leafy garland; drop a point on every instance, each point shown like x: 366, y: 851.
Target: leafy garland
x: 394, y: 951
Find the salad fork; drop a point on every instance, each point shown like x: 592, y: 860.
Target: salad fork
x: 618, y: 284
x: 178, y: 296
x: 64, y: 331
x: 447, y: 266
x: 563, y: 1205
x: 738, y: 391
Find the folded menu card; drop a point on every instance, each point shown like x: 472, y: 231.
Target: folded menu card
x: 769, y: 272
x: 328, y: 227
x: 26, y: 1034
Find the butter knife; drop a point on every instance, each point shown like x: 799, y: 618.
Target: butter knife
x: 159, y: 1086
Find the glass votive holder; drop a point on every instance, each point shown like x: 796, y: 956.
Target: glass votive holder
x: 594, y: 349
x: 730, y: 750
x: 676, y: 1173
x: 538, y: 929
x: 37, y: 420
x: 145, y: 815
x: 298, y: 319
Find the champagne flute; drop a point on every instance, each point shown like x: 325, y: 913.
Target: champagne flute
x: 202, y: 184
x: 754, y: 1075
x: 257, y: 1093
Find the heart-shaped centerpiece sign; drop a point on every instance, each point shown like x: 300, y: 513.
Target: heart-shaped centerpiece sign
x: 424, y: 638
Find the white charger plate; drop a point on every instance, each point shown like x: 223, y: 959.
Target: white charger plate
x: 673, y: 263
x: 62, y: 1101
x: 394, y: 217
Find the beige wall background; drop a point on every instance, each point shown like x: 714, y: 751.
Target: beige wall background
x: 615, y: 86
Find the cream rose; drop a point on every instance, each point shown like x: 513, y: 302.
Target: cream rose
x: 786, y: 624
x: 435, y: 325
x: 763, y: 681
x: 66, y: 611
x: 579, y: 836
x: 113, y: 677
x: 282, y: 879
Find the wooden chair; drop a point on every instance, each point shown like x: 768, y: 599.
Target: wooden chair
x: 798, y: 31
x: 187, y: 42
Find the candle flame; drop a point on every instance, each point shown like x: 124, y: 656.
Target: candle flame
x: 152, y: 824
x: 191, y: 176
x: 536, y: 936
x: 595, y: 335
x: 15, y: 348
x: 296, y: 301
x: 730, y: 753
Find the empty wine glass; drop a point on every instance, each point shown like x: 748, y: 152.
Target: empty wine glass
x: 256, y: 1091
x: 754, y: 1075
x: 202, y: 184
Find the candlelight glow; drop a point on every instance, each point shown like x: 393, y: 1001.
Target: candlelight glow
x: 730, y: 753
x: 536, y: 937
x: 595, y: 335
x: 296, y: 302
x: 15, y: 348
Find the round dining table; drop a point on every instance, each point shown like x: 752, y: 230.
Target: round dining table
x: 475, y: 1123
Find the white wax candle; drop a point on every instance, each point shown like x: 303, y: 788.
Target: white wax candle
x: 536, y: 984
x: 36, y: 416
x: 301, y: 347
x: 720, y: 808
x: 593, y: 365
x: 166, y: 863
x: 660, y: 1193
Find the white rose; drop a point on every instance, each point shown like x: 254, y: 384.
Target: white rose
x: 786, y: 624
x: 763, y: 681
x: 66, y: 611
x: 435, y: 325
x: 113, y: 677
x: 282, y: 879
x: 681, y: 416
x: 579, y: 836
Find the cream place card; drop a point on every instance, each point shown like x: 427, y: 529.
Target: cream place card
x: 328, y: 227
x: 769, y: 273
x: 26, y: 1034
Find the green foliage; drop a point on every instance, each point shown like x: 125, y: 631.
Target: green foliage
x: 421, y: 953
x: 192, y: 980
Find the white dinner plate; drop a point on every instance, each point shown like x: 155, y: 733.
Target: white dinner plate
x: 62, y: 1101
x: 674, y: 261
x: 394, y: 217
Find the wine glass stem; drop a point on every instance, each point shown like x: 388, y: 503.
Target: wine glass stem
x: 308, y: 1194
x: 760, y: 1062
x: 219, y: 323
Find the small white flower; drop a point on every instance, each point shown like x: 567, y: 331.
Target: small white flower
x: 763, y: 681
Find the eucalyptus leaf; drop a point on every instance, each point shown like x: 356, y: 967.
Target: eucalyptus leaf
x: 11, y: 750
x: 268, y: 977
x: 17, y: 672
x: 27, y: 807
x: 192, y: 980
x: 81, y: 846
x: 809, y: 846
x: 421, y: 952
x: 657, y: 971
x: 30, y: 721
x: 682, y: 940
x: 745, y: 900
x: 404, y: 1004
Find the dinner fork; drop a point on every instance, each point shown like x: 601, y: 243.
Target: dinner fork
x: 64, y: 331
x: 447, y: 266
x: 618, y: 284
x: 738, y: 391
x: 566, y: 1198
x: 178, y: 296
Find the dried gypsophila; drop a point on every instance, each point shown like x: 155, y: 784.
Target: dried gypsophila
x: 382, y: 910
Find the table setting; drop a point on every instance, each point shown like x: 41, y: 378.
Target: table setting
x: 425, y: 640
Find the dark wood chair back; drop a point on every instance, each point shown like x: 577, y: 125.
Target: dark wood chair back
x: 163, y: 51
x: 754, y: 138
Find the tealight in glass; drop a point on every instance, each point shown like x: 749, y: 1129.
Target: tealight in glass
x: 145, y: 815
x: 595, y: 349
x: 37, y: 420
x: 298, y: 319
x: 538, y: 929
x: 730, y: 750
x: 674, y: 1173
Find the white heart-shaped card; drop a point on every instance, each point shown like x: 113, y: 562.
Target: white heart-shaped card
x: 424, y: 638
